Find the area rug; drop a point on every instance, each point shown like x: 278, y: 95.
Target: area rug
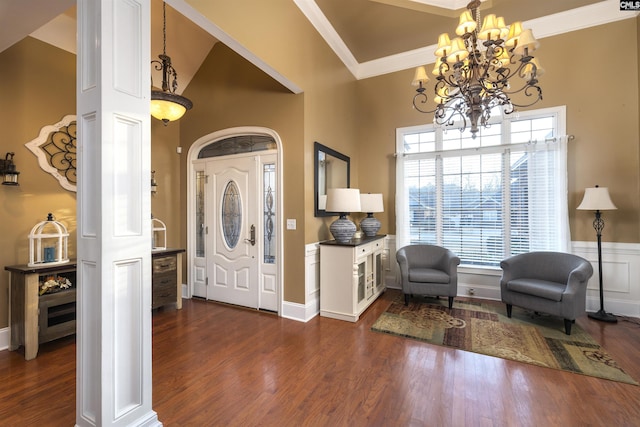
x: 480, y: 328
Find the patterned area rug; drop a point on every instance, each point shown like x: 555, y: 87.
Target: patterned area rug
x: 481, y: 328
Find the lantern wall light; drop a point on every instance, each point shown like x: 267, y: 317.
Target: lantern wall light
x: 8, y: 170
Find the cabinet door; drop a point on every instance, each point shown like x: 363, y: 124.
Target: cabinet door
x: 378, y: 279
x: 362, y: 282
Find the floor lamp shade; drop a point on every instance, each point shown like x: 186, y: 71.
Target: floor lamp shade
x: 343, y: 201
x: 370, y: 203
x: 597, y: 199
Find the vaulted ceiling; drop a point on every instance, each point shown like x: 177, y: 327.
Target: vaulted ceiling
x: 371, y: 37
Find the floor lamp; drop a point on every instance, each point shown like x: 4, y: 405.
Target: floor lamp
x: 597, y: 199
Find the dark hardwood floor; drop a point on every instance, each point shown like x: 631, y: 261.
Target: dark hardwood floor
x: 216, y: 365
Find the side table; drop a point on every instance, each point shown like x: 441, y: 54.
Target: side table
x: 24, y: 303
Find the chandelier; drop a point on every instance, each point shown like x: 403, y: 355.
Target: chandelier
x: 167, y: 105
x: 480, y: 70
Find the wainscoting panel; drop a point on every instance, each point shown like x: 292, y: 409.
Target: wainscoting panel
x: 311, y: 308
x: 5, y: 338
x: 620, y: 276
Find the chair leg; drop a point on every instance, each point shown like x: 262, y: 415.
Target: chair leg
x: 450, y: 303
x: 509, y: 307
x: 567, y: 326
x: 406, y: 299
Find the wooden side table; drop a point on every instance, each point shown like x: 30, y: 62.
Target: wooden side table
x: 166, y: 283
x: 27, y: 308
x: 24, y: 306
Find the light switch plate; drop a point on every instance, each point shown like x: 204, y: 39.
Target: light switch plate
x: 291, y: 224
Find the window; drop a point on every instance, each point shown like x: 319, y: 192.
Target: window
x: 500, y: 194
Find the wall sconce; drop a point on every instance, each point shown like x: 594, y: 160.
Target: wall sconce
x: 154, y: 184
x: 8, y: 170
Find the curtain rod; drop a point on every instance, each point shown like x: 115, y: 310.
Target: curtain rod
x: 570, y: 137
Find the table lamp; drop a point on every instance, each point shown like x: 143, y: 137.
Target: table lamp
x: 370, y: 203
x: 343, y: 201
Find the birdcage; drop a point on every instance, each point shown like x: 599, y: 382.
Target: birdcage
x: 158, y: 234
x: 48, y: 243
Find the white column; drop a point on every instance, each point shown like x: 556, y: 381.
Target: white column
x: 113, y: 385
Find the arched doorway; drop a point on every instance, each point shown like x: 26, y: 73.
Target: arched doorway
x: 234, y: 209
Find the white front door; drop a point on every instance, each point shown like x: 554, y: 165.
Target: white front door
x: 232, y: 267
x: 238, y: 264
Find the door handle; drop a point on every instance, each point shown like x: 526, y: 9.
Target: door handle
x: 252, y: 234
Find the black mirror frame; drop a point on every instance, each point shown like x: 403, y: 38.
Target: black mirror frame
x: 317, y: 148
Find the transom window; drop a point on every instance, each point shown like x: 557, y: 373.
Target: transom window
x: 485, y: 198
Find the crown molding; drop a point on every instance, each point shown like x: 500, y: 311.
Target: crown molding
x: 320, y: 22
x: 600, y: 13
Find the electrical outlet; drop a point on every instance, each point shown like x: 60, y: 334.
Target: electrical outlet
x: 471, y: 291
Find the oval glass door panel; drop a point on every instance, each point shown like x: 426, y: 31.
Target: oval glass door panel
x: 231, y: 216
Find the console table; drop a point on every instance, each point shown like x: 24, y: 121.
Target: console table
x: 350, y: 276
x: 35, y: 319
x: 26, y: 306
x: 166, y: 282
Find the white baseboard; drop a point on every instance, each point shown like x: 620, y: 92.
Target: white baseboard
x: 478, y: 291
x: 300, y: 312
x: 5, y: 337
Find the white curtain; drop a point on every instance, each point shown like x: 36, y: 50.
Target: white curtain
x: 547, y: 194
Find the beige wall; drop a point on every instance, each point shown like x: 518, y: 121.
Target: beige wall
x: 38, y: 88
x: 227, y: 91
x: 278, y: 33
x: 602, y: 113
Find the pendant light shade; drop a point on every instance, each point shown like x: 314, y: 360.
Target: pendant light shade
x: 167, y: 106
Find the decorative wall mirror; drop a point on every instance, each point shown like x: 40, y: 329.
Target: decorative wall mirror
x: 332, y: 170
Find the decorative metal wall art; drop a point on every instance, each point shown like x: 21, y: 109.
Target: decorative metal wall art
x: 55, y: 149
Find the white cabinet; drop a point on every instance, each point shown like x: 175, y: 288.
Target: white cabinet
x: 350, y: 276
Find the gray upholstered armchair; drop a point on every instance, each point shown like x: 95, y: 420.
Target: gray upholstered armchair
x: 428, y: 270
x: 548, y: 282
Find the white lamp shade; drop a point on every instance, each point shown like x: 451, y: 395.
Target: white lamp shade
x: 527, y: 41
x: 466, y: 24
x: 444, y: 45
x: 459, y: 51
x: 420, y: 76
x: 371, y: 203
x: 343, y: 200
x: 596, y: 199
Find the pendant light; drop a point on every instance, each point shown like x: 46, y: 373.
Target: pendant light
x: 166, y: 104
